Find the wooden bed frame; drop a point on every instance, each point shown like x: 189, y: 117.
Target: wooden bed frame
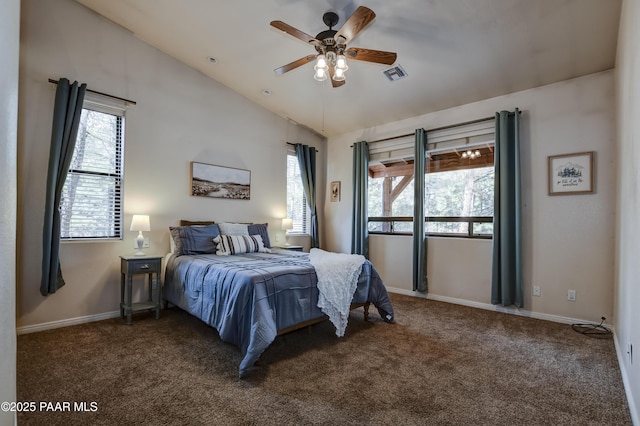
x: 323, y: 318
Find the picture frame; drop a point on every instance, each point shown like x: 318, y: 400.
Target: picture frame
x: 571, y: 173
x: 209, y: 180
x: 335, y: 191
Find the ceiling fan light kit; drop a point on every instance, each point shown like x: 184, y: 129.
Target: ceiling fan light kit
x: 331, y: 45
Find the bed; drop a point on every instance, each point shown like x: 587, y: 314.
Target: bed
x: 251, y: 297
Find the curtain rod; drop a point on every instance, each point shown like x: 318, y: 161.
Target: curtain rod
x: 103, y: 94
x: 294, y: 144
x: 480, y: 120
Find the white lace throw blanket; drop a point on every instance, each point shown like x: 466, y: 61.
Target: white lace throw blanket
x: 338, y: 275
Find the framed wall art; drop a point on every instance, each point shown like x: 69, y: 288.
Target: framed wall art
x: 571, y: 173
x: 208, y: 180
x: 335, y: 191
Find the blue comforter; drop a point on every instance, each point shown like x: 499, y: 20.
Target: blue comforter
x: 247, y: 298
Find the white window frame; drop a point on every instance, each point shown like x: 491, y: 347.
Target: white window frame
x: 116, y: 107
x: 300, y: 228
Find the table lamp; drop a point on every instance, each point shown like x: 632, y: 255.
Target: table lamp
x: 287, y: 224
x: 140, y: 222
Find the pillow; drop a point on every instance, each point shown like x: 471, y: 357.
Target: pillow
x: 236, y: 244
x: 234, y: 228
x: 260, y: 229
x: 194, y: 239
x: 196, y: 223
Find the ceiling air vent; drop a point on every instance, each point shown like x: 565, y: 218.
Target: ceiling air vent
x: 395, y: 73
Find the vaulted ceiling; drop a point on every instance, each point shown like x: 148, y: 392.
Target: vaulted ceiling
x: 453, y: 51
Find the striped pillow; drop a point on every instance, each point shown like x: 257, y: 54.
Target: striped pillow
x: 236, y: 244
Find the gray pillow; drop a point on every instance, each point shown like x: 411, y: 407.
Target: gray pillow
x: 194, y: 239
x: 260, y: 229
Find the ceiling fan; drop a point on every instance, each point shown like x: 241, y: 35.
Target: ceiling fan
x: 331, y: 46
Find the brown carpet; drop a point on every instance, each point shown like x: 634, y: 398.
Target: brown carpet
x: 440, y: 364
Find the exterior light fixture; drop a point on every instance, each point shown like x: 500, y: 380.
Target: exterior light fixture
x: 471, y: 154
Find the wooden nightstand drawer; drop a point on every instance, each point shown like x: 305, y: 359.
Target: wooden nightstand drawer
x: 140, y: 266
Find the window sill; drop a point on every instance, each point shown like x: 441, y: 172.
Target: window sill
x: 90, y: 240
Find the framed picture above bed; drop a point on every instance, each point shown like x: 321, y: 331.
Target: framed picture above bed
x: 571, y: 173
x: 208, y: 180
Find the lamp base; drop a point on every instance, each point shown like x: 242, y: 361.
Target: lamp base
x: 140, y: 244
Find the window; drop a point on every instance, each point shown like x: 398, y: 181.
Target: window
x: 464, y: 193
x: 297, y: 208
x: 91, y: 203
x: 458, y: 187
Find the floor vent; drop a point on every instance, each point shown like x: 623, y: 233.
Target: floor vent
x: 395, y: 73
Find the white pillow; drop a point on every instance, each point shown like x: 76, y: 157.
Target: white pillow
x: 233, y: 228
x: 236, y: 244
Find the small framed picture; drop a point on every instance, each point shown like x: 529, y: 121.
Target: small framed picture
x: 571, y: 173
x: 335, y: 191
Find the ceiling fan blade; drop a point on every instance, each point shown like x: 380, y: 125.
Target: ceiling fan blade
x: 368, y: 55
x: 295, y: 32
x: 295, y: 64
x: 333, y: 82
x: 356, y: 23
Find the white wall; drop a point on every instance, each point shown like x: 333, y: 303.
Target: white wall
x: 181, y: 116
x: 9, y: 49
x: 628, y: 205
x: 571, y: 116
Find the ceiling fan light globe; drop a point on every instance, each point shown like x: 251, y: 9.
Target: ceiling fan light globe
x: 341, y: 63
x: 338, y: 75
x: 321, y: 62
x: 320, y: 75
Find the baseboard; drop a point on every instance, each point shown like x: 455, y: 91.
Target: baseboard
x: 66, y: 322
x: 489, y: 307
x: 622, y: 353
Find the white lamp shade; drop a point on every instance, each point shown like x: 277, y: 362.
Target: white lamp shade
x: 287, y: 224
x: 140, y: 222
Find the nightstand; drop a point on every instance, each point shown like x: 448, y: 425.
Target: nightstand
x: 135, y: 265
x: 292, y: 248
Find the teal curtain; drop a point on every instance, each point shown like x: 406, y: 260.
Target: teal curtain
x: 506, y: 285
x: 307, y: 161
x: 66, y: 118
x: 419, y: 238
x: 360, y: 226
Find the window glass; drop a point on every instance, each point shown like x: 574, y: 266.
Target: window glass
x: 458, y: 189
x: 91, y: 202
x: 297, y: 208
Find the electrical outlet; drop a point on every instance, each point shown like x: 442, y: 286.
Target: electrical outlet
x: 571, y: 295
x: 277, y: 238
x: 536, y: 290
